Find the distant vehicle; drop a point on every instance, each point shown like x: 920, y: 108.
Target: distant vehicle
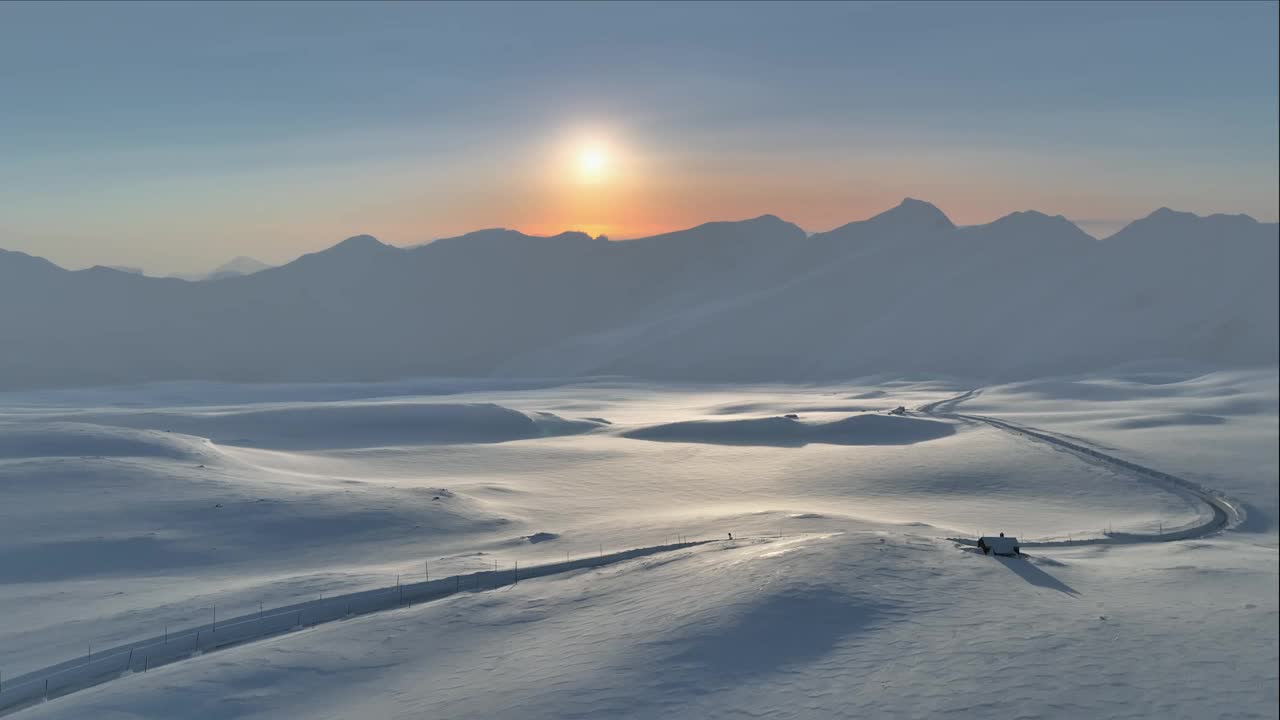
x: 791, y: 416
x: 1006, y: 546
x: 898, y: 411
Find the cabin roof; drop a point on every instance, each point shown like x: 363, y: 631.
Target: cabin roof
x: 1000, y: 544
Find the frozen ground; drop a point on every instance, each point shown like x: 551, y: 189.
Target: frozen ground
x: 123, y: 510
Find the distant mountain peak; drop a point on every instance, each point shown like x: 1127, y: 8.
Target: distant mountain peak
x: 355, y: 245
x: 915, y: 214
x: 1165, y: 214
x: 19, y: 260
x: 1033, y: 218
x: 236, y: 267
x: 1025, y: 225
x: 1168, y: 225
x: 360, y: 242
x: 761, y: 229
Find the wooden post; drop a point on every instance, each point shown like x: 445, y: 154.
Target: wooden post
x: 426, y: 570
x: 146, y: 664
x: 515, y: 574
x: 166, y: 634
x: 90, y: 654
x: 129, y: 664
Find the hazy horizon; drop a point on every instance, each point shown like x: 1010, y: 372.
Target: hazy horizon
x: 1096, y: 229
x: 195, y: 133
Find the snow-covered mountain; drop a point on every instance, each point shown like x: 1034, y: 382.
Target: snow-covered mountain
x: 239, y: 265
x: 235, y: 267
x: 905, y: 291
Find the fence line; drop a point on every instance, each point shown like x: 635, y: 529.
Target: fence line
x: 140, y: 656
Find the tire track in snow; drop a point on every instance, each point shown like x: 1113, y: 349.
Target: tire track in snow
x: 1226, y: 513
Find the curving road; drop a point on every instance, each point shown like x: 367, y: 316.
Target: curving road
x: 1226, y: 513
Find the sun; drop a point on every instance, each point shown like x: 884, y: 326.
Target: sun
x: 593, y: 163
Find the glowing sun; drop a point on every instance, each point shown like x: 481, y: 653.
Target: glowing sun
x: 593, y: 163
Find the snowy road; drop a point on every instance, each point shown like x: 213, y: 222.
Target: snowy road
x: 108, y: 664
x: 1225, y: 513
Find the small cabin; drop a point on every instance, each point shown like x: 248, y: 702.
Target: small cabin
x: 999, y: 545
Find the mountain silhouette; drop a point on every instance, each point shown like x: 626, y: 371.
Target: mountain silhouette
x: 905, y: 292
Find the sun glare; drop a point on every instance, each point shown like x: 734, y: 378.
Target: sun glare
x: 592, y: 163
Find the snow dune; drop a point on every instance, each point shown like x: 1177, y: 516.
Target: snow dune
x: 862, y: 624
x: 786, y: 432
x: 353, y: 425
x: 71, y: 439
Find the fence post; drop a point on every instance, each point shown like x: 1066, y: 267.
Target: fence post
x: 129, y: 663
x: 197, y: 640
x: 90, y: 654
x: 166, y: 634
x: 426, y: 570
x: 515, y: 574
x: 146, y: 664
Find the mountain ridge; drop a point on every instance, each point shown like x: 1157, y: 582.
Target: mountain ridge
x: 1026, y: 295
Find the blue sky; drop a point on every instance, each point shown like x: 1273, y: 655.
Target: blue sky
x: 174, y: 136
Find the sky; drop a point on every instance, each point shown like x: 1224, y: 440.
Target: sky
x: 174, y: 136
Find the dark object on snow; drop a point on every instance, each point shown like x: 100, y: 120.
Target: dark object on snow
x: 730, y: 536
x: 898, y: 411
x: 791, y: 416
x: 1006, y: 546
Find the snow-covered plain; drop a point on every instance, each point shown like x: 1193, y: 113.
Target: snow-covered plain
x: 125, y: 510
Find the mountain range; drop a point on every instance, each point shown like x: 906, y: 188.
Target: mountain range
x: 904, y: 292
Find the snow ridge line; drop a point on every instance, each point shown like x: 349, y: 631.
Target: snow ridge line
x: 1226, y: 513
x: 81, y: 673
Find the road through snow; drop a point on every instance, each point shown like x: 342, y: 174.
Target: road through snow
x: 111, y: 663
x: 1226, y: 513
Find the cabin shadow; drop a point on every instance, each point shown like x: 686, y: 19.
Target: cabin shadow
x: 1024, y: 569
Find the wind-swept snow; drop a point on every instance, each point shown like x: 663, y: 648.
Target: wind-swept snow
x: 840, y: 596
x: 871, y: 429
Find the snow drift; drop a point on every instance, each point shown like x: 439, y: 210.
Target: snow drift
x: 352, y: 425
x: 786, y: 432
